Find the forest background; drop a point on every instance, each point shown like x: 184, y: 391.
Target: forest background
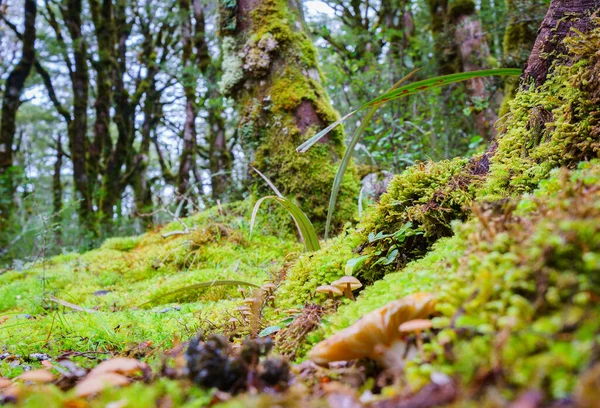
x: 125, y: 116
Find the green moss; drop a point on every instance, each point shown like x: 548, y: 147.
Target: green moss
x: 315, y: 269
x: 416, y: 211
x: 289, y: 89
x: 272, y: 17
x: 123, y: 244
x: 526, y: 274
x: 114, y: 282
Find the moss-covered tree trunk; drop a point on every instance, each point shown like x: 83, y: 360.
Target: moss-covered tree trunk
x: 270, y: 68
x: 519, y: 37
x: 562, y: 18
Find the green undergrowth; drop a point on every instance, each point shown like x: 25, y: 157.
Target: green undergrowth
x: 315, y: 269
x: 118, y: 295
x: 517, y: 290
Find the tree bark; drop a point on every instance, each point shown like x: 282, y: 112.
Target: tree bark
x: 113, y: 183
x: 270, y: 69
x: 562, y: 16
x: 77, y: 130
x: 57, y: 192
x: 10, y: 104
x: 188, y: 153
x: 105, y: 67
x: 220, y: 160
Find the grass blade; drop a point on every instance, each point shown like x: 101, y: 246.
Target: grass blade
x: 305, y: 227
x: 411, y: 89
x: 275, y: 190
x: 203, y: 285
x: 339, y: 176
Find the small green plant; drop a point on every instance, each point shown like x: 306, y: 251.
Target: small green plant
x: 305, y: 227
x: 394, y: 93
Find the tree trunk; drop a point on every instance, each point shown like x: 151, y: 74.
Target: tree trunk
x: 57, y: 192
x: 10, y: 104
x: 188, y: 154
x: 474, y: 54
x: 271, y: 71
x: 562, y: 16
x: 78, y: 142
x: 220, y: 159
x: 101, y: 147
x: 122, y: 154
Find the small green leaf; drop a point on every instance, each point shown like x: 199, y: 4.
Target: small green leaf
x: 353, y: 263
x: 269, y: 330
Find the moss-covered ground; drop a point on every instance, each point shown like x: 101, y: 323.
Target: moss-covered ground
x: 508, y: 242
x: 123, y: 288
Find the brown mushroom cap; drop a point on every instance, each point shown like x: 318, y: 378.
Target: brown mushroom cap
x: 415, y: 325
x: 343, y: 282
x: 329, y: 289
x: 374, y: 331
x: 268, y: 286
x: 250, y: 300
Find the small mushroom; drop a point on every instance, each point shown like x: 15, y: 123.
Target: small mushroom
x: 268, y: 287
x: 251, y: 300
x: 347, y: 284
x: 376, y: 335
x: 329, y: 289
x: 242, y: 292
x: 417, y: 326
x: 233, y: 322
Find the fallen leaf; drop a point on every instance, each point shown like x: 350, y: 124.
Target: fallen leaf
x: 37, y: 376
x: 93, y: 384
x: 3, y: 319
x: 5, y: 383
x: 120, y: 365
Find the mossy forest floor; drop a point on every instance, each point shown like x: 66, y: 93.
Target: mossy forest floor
x: 507, y: 242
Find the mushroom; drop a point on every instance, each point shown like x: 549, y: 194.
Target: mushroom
x: 376, y: 335
x: 251, y: 301
x: 268, y: 287
x: 417, y: 326
x: 347, y: 284
x: 242, y: 292
x: 233, y: 321
x: 330, y: 289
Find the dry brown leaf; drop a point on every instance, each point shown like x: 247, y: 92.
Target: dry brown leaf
x: 121, y: 365
x: 93, y: 384
x: 37, y: 376
x: 5, y: 383
x: 46, y: 363
x: 3, y: 319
